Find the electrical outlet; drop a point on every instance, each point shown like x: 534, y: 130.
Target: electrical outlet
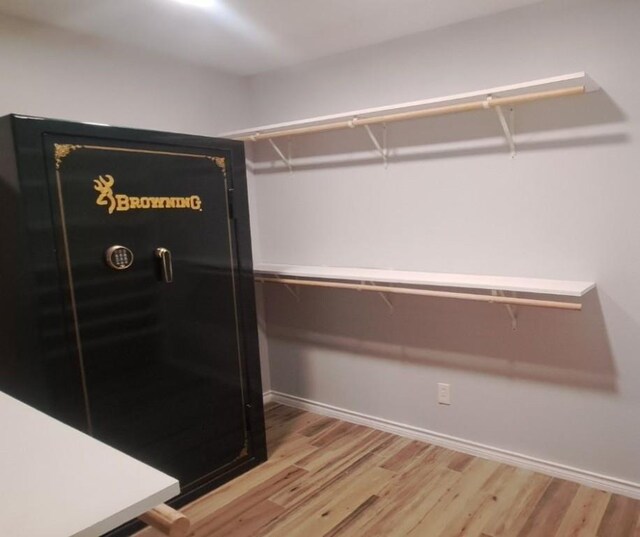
x: 444, y: 393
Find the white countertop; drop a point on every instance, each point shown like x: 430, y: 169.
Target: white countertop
x: 59, y: 482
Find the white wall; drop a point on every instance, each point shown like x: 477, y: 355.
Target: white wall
x: 564, y: 387
x: 50, y: 73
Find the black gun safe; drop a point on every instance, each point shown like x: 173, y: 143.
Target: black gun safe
x: 126, y: 293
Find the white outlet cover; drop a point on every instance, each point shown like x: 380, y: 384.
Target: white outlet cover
x: 444, y: 393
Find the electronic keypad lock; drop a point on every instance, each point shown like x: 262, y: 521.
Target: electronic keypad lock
x: 118, y: 257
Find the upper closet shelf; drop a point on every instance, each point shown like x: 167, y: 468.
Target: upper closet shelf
x: 491, y: 98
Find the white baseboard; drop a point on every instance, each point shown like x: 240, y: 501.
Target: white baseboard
x: 583, y: 477
x: 267, y: 397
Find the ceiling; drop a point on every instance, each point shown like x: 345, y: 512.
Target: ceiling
x: 251, y: 36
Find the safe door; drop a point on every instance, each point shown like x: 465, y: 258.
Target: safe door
x: 146, y: 243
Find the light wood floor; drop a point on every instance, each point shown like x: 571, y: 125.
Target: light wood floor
x: 327, y: 478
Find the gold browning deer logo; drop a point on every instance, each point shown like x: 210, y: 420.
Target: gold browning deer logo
x: 122, y: 202
x: 103, y: 186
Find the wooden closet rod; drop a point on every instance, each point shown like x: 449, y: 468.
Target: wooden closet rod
x: 514, y: 301
x: 489, y: 102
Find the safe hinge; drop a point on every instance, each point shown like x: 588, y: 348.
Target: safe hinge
x: 230, y: 204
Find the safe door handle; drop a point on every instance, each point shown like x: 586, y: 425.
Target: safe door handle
x: 166, y: 267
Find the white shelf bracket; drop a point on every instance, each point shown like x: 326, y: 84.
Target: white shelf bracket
x: 284, y: 159
x: 506, y: 127
x: 385, y: 298
x: 380, y: 148
x: 294, y: 292
x: 511, y: 310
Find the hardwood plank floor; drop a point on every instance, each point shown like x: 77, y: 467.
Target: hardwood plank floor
x: 329, y: 478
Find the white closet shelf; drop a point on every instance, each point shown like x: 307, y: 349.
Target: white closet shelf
x: 431, y: 279
x: 366, y: 279
x: 490, y: 98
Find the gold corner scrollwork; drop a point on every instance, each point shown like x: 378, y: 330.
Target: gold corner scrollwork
x: 221, y: 163
x: 62, y: 151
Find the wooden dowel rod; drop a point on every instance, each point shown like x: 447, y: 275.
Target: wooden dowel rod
x: 415, y: 114
x: 428, y: 292
x: 476, y: 105
x: 167, y: 520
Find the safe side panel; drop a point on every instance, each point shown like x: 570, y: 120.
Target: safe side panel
x: 36, y: 365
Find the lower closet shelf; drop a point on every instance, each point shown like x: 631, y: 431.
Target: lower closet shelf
x: 363, y: 279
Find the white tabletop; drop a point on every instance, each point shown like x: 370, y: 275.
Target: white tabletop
x: 59, y: 482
